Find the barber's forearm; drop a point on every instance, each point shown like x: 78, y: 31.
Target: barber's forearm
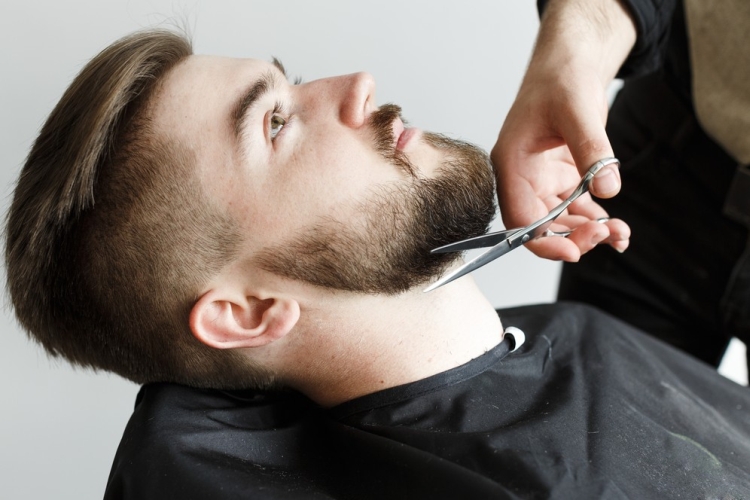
x: 597, y: 34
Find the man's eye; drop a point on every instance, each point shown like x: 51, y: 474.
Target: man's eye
x: 277, y: 123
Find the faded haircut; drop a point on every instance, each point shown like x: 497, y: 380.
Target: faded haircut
x: 110, y: 237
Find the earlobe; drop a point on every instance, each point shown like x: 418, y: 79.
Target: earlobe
x: 233, y: 322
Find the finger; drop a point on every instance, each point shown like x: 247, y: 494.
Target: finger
x: 606, y: 183
x: 619, y: 235
x: 555, y: 249
x: 585, y: 236
x: 588, y: 143
x: 568, y: 222
x: 587, y: 207
x: 621, y: 245
x: 589, y: 235
x: 618, y: 230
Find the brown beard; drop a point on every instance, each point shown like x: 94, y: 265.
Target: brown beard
x: 386, y: 248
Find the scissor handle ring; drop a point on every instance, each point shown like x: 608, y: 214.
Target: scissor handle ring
x: 589, y: 176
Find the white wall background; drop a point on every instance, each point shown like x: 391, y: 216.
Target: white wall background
x: 453, y: 66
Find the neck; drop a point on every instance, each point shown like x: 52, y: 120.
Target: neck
x: 349, y: 345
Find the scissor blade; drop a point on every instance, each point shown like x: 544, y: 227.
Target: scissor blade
x: 486, y: 240
x: 516, y: 238
x: 493, y: 253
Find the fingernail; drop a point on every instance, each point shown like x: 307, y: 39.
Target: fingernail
x: 621, y: 245
x: 607, y: 181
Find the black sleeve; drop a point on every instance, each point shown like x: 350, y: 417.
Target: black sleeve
x: 652, y: 22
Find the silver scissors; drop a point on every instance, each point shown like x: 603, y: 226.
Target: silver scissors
x: 503, y: 242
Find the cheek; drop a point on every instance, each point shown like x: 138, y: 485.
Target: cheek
x: 324, y: 175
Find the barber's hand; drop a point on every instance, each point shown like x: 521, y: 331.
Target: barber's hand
x: 553, y: 133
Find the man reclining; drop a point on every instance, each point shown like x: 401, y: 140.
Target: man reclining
x: 255, y: 252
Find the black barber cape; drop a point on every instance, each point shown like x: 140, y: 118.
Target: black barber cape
x: 587, y: 408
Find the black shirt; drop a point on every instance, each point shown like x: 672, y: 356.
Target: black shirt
x: 587, y: 408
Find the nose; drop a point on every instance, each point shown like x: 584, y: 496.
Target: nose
x: 357, y: 99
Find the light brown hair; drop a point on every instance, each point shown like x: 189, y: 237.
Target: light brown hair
x: 110, y: 236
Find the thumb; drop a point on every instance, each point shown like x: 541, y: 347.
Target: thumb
x: 588, y: 143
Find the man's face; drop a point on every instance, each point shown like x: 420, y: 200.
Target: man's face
x: 328, y: 188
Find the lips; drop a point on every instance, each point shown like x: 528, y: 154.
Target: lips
x: 402, y: 135
x: 398, y: 129
x: 406, y: 137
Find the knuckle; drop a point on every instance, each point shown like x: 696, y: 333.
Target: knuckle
x: 593, y: 148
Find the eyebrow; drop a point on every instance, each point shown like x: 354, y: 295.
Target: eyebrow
x: 262, y: 86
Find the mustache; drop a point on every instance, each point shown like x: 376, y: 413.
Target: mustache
x: 381, y: 123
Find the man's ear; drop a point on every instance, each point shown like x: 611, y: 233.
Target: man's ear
x: 225, y: 322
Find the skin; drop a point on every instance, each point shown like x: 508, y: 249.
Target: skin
x: 555, y: 129
x: 330, y: 345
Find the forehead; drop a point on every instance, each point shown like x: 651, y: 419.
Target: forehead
x: 194, y: 101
